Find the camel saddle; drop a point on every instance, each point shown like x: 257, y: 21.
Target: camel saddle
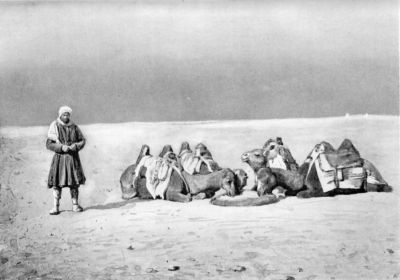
x: 341, y: 168
x: 158, y: 173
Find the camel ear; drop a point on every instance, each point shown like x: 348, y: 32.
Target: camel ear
x: 266, y: 144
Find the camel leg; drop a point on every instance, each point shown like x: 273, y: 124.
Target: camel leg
x: 385, y: 188
x: 218, y: 194
x: 290, y: 192
x: 378, y: 188
x: 308, y: 193
x: 200, y: 196
x: 176, y: 190
x: 270, y: 188
x: 343, y: 192
x: 313, y: 186
x: 265, y: 188
x: 305, y: 194
x: 177, y: 196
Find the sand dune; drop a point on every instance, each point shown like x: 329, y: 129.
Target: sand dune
x: 345, y: 237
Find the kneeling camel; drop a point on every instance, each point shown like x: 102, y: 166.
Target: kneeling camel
x: 325, y: 172
x: 181, y: 186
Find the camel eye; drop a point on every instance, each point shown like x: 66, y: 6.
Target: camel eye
x: 257, y: 154
x: 272, y: 147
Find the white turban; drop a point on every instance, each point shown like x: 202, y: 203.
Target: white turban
x: 52, y: 134
x: 64, y: 109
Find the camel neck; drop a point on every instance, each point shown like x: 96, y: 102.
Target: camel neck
x: 197, y: 183
x: 303, y: 169
x: 214, y: 179
x: 256, y: 168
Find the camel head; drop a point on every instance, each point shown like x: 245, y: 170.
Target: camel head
x: 272, y: 149
x: 240, y: 180
x: 272, y: 141
x: 228, y: 182
x: 255, y: 159
x: 278, y: 155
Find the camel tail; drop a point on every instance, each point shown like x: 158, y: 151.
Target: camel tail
x: 259, y: 201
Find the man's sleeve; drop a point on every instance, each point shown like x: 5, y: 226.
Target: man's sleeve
x: 53, y: 146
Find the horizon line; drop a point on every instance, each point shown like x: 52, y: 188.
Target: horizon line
x: 214, y: 121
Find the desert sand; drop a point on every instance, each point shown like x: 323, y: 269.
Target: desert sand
x: 343, y: 237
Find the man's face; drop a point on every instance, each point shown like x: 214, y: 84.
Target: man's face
x: 65, y: 117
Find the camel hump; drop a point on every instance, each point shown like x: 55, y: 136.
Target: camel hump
x: 250, y: 201
x: 345, y: 155
x: 348, y: 147
x: 185, y: 147
x: 328, y: 147
x: 201, y: 146
x: 144, y: 151
x: 165, y: 150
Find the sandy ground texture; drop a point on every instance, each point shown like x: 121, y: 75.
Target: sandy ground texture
x: 345, y: 237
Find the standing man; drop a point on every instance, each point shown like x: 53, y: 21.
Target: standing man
x: 66, y: 140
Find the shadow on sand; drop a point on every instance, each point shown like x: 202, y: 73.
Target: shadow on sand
x: 114, y: 204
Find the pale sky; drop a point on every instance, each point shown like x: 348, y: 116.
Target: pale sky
x: 203, y: 60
